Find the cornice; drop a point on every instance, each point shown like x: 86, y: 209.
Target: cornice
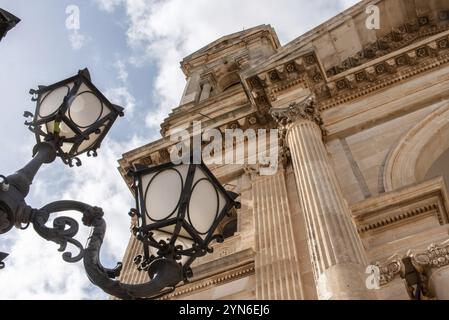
x: 225, y: 266
x: 301, y: 72
x: 386, y: 71
x: 305, y: 72
x: 232, y: 275
x: 400, y: 37
x: 158, y: 152
x: 394, y: 209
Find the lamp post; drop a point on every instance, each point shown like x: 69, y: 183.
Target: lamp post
x: 72, y: 117
x: 7, y: 22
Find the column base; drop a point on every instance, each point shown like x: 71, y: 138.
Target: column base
x: 344, y: 282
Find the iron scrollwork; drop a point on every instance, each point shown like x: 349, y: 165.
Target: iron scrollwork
x: 163, y: 273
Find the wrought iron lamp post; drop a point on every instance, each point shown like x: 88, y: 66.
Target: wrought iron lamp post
x: 7, y: 22
x: 72, y: 117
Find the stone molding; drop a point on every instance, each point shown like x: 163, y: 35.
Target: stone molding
x: 386, y: 71
x: 401, y: 167
x: 410, y: 32
x: 379, y: 73
x: 390, y: 210
x: 220, y: 279
x: 303, y: 71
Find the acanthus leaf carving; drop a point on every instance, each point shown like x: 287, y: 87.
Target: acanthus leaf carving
x: 304, y: 110
x: 436, y: 256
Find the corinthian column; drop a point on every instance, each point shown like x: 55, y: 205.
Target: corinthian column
x: 335, y: 249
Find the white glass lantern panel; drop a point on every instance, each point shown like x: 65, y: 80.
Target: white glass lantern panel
x: 51, y: 101
x: 93, y: 137
x: 162, y: 194
x: 185, y: 243
x: 203, y: 206
x: 106, y: 111
x: 199, y: 174
x: 65, y: 131
x: 66, y: 147
x: 86, y: 108
x: 170, y: 229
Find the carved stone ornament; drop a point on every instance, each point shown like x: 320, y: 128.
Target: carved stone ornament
x: 304, y: 110
x: 390, y: 270
x: 436, y: 256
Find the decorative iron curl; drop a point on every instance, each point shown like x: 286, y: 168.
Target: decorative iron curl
x: 27, y: 115
x: 2, y: 257
x: 92, y: 153
x: 72, y: 162
x: 34, y: 95
x: 59, y: 234
x: 163, y: 273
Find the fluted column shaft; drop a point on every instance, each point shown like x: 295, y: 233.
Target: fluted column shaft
x: 335, y: 249
x: 277, y: 264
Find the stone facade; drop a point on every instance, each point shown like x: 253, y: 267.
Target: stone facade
x: 364, y: 120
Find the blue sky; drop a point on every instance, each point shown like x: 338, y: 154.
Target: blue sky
x: 132, y: 49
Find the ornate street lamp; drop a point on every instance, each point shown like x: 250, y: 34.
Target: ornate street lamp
x: 73, y: 114
x: 7, y: 22
x: 178, y: 208
x: 72, y: 117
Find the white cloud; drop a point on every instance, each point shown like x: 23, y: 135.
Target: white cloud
x: 120, y: 66
x: 122, y: 97
x: 108, y: 5
x: 77, y: 40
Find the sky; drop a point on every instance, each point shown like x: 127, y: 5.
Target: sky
x: 132, y: 49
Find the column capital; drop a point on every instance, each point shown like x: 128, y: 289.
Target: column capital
x: 390, y: 269
x: 305, y: 110
x: 436, y: 256
x: 418, y: 265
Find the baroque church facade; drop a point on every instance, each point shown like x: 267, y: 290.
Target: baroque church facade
x: 363, y: 116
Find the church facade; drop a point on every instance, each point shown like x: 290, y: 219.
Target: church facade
x: 358, y: 206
